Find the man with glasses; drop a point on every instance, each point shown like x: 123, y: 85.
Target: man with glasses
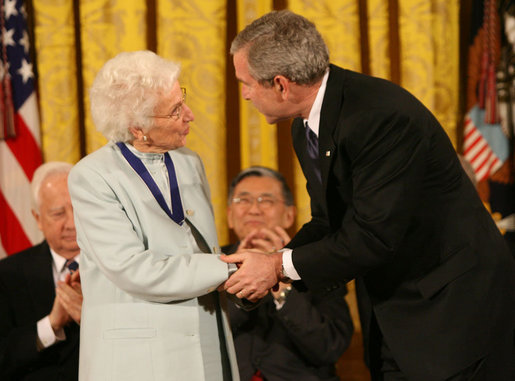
x: 292, y: 334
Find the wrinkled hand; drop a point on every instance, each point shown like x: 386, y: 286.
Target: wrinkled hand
x: 69, y: 294
x: 258, y: 272
x: 265, y: 239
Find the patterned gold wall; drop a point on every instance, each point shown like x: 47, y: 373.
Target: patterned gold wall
x: 74, y: 39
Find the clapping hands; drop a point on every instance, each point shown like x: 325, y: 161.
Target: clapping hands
x: 67, y: 303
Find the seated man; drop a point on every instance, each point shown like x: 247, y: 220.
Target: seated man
x: 39, y: 324
x: 292, y: 335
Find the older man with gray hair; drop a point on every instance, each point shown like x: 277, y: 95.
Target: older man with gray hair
x: 40, y: 292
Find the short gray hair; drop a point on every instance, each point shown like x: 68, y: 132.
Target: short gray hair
x: 127, y: 89
x: 43, y: 172
x: 259, y: 171
x: 283, y: 43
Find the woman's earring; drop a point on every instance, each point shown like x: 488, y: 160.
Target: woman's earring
x: 145, y: 138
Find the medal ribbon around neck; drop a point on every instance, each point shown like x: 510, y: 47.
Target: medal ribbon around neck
x: 142, y: 171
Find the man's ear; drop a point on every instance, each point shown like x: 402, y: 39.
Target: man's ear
x: 282, y: 85
x: 229, y: 218
x: 289, y: 216
x: 38, y: 218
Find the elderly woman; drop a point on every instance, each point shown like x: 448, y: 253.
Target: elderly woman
x: 146, y: 231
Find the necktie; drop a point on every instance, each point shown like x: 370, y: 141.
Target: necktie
x: 312, y: 143
x: 312, y: 148
x: 72, y: 265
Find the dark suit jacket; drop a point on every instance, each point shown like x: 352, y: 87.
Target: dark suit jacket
x: 396, y: 208
x: 301, y: 341
x: 27, y: 294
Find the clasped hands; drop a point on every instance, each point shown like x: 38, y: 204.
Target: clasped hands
x: 67, y: 303
x: 259, y: 263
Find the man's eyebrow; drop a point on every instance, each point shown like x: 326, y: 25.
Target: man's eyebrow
x: 57, y: 208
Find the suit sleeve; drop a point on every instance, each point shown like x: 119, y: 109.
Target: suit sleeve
x: 320, y: 327
x: 17, y: 343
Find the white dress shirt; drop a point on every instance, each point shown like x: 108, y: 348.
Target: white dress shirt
x: 314, y: 123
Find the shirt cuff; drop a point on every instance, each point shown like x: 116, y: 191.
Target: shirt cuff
x: 232, y: 268
x: 46, y: 335
x: 289, y: 270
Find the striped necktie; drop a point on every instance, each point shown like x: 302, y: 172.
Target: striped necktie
x: 312, y: 148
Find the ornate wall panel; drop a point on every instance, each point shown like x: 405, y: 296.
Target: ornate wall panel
x: 108, y: 27
x: 258, y: 144
x: 378, y: 38
x: 57, y: 79
x: 429, y: 36
x: 193, y: 33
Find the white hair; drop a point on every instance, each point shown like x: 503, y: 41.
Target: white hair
x: 127, y: 89
x: 44, y: 171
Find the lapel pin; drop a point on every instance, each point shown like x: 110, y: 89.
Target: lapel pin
x: 190, y: 212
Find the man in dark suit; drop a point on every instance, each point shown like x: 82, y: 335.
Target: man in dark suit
x: 293, y: 334
x: 390, y: 204
x: 39, y: 324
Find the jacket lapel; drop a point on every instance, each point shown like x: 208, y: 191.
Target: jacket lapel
x: 40, y: 280
x: 329, y: 116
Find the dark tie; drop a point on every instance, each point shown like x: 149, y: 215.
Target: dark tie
x: 72, y: 265
x: 312, y: 148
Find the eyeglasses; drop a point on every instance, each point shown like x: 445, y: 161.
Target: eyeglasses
x: 176, y: 112
x: 263, y: 202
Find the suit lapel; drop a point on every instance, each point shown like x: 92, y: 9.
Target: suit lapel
x: 40, y: 280
x: 329, y: 116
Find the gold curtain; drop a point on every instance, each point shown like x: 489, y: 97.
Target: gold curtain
x: 193, y: 33
x: 57, y: 72
x: 378, y: 38
x: 258, y: 145
x: 412, y: 42
x: 429, y: 39
x: 107, y: 27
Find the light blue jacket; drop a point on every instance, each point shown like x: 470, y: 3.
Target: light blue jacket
x: 140, y: 273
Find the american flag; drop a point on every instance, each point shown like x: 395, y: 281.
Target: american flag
x: 484, y: 145
x: 20, y: 152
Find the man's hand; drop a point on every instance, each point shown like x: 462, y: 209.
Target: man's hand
x: 265, y: 239
x: 69, y: 294
x: 258, y: 272
x: 58, y: 316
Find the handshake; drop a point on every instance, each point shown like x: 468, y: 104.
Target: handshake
x: 259, y: 266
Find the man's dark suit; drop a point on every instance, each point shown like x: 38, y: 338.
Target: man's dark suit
x: 396, y: 208
x: 27, y: 294
x: 301, y: 341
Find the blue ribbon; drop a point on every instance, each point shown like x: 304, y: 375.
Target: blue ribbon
x: 142, y: 171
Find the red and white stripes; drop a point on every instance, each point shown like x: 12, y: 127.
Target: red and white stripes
x: 19, y: 158
x: 478, y: 152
